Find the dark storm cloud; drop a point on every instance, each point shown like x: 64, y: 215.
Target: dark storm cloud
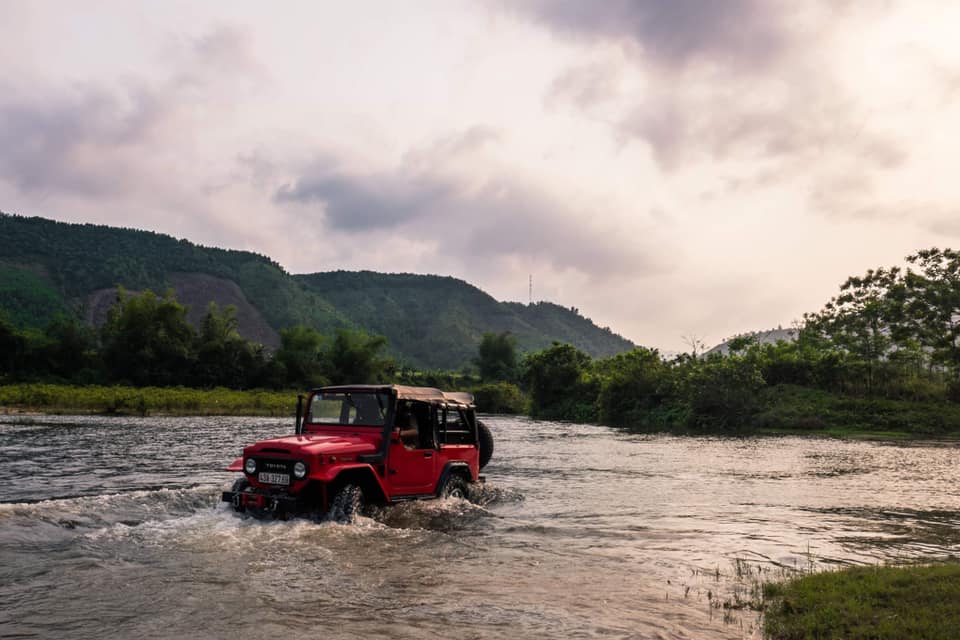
x: 807, y: 125
x: 94, y: 140
x: 359, y: 202
x: 508, y: 218
x: 586, y: 86
x: 738, y: 79
x: 672, y: 33
x: 699, y: 61
x: 474, y: 219
x: 354, y: 201
x: 67, y: 142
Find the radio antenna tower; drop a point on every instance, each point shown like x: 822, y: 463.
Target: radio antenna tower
x: 531, y: 288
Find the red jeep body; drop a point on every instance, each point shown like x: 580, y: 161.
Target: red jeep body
x: 382, y: 443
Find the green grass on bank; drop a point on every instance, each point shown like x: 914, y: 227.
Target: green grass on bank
x: 55, y: 398
x: 792, y: 409
x: 876, y: 603
x: 116, y: 400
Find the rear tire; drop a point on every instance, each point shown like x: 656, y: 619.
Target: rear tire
x: 486, y: 443
x: 455, y: 487
x: 347, y: 505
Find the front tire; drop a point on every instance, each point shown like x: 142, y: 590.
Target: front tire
x: 347, y: 505
x: 239, y: 486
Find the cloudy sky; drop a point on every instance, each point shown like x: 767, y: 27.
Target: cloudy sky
x: 672, y: 168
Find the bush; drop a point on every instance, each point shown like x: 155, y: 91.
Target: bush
x: 635, y: 387
x: 500, y: 397
x: 561, y: 384
x: 722, y: 392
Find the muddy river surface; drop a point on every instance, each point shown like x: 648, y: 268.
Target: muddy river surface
x: 111, y: 528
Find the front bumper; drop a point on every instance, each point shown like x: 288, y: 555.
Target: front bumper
x: 279, y: 505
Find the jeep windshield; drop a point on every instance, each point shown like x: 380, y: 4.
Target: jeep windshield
x: 364, y: 408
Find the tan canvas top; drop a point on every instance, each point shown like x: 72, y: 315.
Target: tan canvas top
x: 424, y: 394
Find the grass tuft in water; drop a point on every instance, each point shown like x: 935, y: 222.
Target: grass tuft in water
x: 888, y: 603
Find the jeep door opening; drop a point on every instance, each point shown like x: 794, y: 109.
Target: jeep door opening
x: 364, y: 444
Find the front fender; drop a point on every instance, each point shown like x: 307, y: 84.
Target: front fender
x: 360, y: 474
x: 328, y: 473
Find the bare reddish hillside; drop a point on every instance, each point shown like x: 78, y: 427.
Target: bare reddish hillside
x: 196, y: 291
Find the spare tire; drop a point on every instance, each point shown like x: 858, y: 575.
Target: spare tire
x: 486, y: 443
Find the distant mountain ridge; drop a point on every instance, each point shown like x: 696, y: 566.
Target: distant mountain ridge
x: 768, y: 336
x: 49, y: 268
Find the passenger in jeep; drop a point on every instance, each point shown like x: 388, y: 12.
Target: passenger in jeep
x: 408, y: 428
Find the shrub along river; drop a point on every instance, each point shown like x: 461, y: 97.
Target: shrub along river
x: 111, y: 528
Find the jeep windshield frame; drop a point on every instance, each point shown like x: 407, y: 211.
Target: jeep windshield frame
x: 335, y: 408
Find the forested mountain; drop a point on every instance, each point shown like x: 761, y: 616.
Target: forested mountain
x: 435, y: 319
x: 42, y: 260
x: 49, y: 269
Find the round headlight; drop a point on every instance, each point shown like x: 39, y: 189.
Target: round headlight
x: 300, y: 471
x: 250, y: 466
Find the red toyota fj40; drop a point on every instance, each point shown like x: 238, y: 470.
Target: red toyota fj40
x: 364, y: 444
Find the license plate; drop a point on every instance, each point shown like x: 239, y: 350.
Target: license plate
x: 274, y: 478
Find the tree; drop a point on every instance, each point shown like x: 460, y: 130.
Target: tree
x: 560, y: 383
x: 861, y: 320
x: 70, y: 350
x: 147, y: 340
x: 497, y: 357
x: 722, y: 390
x: 12, y: 349
x: 696, y: 344
x: 301, y: 356
x: 354, y: 357
x: 223, y: 356
x: 633, y: 384
x: 932, y: 305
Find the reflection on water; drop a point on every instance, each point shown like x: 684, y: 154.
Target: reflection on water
x: 112, y: 528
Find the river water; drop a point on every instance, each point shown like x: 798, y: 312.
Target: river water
x: 111, y: 528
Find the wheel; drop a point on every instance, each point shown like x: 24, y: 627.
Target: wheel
x: 347, y: 504
x: 239, y: 486
x: 454, y: 487
x: 486, y: 443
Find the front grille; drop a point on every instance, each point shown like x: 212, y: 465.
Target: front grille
x: 274, y: 472
x: 274, y: 466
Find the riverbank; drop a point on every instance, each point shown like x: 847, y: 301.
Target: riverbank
x: 797, y: 410
x: 891, y: 603
x: 779, y: 410
x: 174, y: 401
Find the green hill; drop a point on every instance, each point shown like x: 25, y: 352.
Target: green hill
x: 50, y: 268
x: 437, y: 321
x: 77, y: 260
